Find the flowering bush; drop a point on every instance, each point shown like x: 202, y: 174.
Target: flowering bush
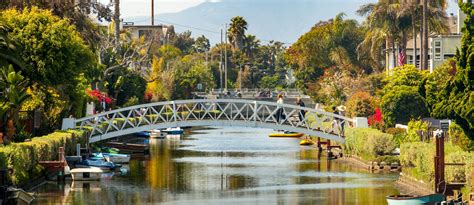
x: 376, y: 120
x: 99, y: 96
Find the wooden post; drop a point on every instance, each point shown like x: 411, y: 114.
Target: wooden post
x: 439, y: 165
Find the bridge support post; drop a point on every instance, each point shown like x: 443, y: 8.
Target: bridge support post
x: 68, y: 123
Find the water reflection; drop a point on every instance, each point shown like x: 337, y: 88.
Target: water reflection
x: 228, y: 166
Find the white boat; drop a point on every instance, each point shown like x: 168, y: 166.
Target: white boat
x: 86, y: 174
x: 157, y: 134
x: 174, y: 130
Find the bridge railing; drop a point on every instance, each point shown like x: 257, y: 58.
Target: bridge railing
x: 209, y: 112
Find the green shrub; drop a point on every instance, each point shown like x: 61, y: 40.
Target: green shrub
x: 22, y: 158
x: 132, y: 101
x: 401, y: 104
x: 414, y: 126
x: 459, y: 138
x: 399, y: 134
x: 360, y: 104
x: 368, y: 143
x: 417, y: 159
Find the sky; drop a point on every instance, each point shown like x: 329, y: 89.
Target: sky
x: 140, y: 7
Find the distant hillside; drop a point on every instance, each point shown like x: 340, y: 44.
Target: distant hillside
x: 282, y: 20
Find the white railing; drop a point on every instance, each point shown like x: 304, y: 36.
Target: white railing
x: 205, y: 112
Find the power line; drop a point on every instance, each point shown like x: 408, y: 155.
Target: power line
x: 206, y: 30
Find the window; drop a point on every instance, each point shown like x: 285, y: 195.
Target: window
x: 437, y: 50
x: 410, y: 59
x: 447, y: 56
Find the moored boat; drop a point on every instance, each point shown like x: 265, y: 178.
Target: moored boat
x: 306, y: 142
x: 111, y: 157
x: 86, y: 174
x: 157, y: 134
x: 415, y: 200
x: 101, y: 164
x: 174, y: 131
x: 117, y: 158
x: 291, y: 135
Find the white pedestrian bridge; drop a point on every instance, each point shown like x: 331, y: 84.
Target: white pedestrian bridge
x: 207, y: 112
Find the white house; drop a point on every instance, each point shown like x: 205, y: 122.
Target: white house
x: 441, y: 47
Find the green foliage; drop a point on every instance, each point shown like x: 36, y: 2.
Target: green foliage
x: 131, y: 102
x: 368, y: 143
x: 399, y: 134
x: 415, y: 126
x: 417, y: 159
x: 459, y: 138
x: 22, y: 158
x: 456, y: 99
x: 402, y: 103
x: 360, y: 104
x: 53, y: 52
x: 329, y: 46
x: 270, y: 81
x: 407, y: 75
x: 202, y: 44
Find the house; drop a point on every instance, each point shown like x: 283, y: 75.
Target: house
x: 161, y: 33
x: 441, y: 47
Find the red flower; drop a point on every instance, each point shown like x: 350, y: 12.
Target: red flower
x: 101, y: 97
x: 376, y: 119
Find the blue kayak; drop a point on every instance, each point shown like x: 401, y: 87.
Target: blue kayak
x: 414, y: 200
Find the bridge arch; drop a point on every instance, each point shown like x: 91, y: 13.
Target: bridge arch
x: 210, y: 112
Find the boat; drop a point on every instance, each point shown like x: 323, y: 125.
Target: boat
x: 112, y: 157
x: 306, y: 142
x: 101, y: 164
x: 86, y: 174
x: 142, y: 134
x: 157, y: 134
x: 18, y: 196
x: 414, y: 200
x: 173, y: 131
x: 286, y: 134
x: 109, y: 150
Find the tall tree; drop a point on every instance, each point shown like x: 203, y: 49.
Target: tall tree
x: 251, y: 45
x: 201, y: 44
x: 456, y: 100
x: 236, y: 31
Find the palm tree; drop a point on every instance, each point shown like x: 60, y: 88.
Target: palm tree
x: 251, y: 45
x: 382, y: 22
x: 8, y: 54
x: 236, y: 31
x: 14, y: 87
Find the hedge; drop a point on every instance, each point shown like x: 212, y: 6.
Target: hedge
x: 369, y: 144
x: 21, y: 159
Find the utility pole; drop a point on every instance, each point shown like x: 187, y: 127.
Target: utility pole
x: 425, y: 35
x: 152, y: 12
x: 221, y: 62
x: 117, y: 23
x: 225, y: 60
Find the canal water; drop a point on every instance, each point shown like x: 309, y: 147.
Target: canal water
x: 224, y: 166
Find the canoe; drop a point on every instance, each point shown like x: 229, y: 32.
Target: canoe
x: 291, y: 135
x: 86, y: 174
x: 109, y: 150
x: 306, y: 142
x: 414, y: 200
